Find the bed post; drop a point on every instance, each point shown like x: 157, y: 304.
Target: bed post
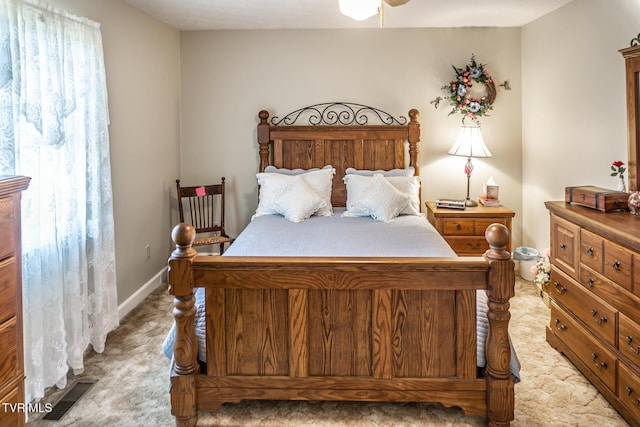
x: 185, y: 365
x: 501, y: 282
x: 414, y: 139
x: 263, y: 138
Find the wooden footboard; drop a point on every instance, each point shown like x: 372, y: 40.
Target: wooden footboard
x: 362, y: 329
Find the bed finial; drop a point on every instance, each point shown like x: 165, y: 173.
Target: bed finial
x: 498, y: 237
x: 183, y: 236
x: 414, y: 114
x: 264, y: 116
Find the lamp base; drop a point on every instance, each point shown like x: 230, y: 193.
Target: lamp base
x: 469, y: 202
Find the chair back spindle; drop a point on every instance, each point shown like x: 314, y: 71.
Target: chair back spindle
x: 203, y: 207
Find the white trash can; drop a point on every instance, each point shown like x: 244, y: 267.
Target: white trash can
x: 528, y: 257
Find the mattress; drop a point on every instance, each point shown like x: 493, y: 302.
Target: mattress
x: 405, y: 236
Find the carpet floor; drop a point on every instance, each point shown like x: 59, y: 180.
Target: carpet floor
x: 132, y: 387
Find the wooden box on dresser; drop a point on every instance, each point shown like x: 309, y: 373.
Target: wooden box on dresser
x: 595, y: 299
x: 11, y: 354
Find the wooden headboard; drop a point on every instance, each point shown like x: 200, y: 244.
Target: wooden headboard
x: 342, y: 135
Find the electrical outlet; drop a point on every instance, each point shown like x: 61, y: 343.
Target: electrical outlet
x: 147, y: 252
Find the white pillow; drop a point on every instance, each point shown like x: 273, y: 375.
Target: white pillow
x: 382, y: 200
x: 357, y: 186
x: 409, y: 185
x: 285, y: 171
x: 298, y: 201
x: 410, y: 171
x: 272, y: 185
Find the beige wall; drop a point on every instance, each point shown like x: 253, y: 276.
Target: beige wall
x: 561, y: 124
x: 228, y: 76
x: 142, y: 66
x: 574, y: 116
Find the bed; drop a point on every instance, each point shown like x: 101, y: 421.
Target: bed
x: 339, y: 324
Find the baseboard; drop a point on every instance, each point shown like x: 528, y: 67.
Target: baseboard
x: 138, y: 296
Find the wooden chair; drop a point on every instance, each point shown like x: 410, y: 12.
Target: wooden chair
x: 203, y: 207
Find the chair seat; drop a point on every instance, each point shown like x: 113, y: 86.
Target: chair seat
x: 212, y: 240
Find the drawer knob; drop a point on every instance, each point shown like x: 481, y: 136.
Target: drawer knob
x: 560, y: 327
x: 458, y: 227
x: 559, y: 288
x: 599, y: 321
x: 590, y: 251
x: 634, y: 350
x: 601, y: 365
x: 590, y: 282
x: 563, y: 246
x: 616, y: 265
x: 636, y: 402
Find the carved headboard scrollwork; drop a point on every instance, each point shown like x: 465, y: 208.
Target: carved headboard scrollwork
x: 338, y: 113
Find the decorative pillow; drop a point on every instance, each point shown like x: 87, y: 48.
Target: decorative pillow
x: 298, y: 201
x: 410, y: 171
x: 357, y: 186
x: 382, y: 200
x: 409, y: 185
x: 272, y: 185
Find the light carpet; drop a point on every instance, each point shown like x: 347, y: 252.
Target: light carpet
x: 132, y: 387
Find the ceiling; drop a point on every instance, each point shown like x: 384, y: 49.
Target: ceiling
x: 190, y: 15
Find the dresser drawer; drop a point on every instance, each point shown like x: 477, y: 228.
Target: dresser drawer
x: 483, y: 223
x: 9, y: 366
x: 8, y: 287
x: 12, y: 394
x: 467, y: 245
x: 617, y: 264
x: 596, y: 314
x: 629, y: 339
x: 591, y: 250
x: 453, y: 226
x: 565, y: 238
x: 629, y: 389
x: 468, y: 226
x: 7, y: 230
x: 590, y: 352
x: 623, y: 300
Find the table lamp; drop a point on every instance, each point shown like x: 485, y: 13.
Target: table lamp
x: 469, y: 143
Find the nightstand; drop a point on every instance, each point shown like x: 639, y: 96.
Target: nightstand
x: 464, y: 229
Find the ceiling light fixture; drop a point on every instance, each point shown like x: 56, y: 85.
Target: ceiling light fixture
x: 359, y: 9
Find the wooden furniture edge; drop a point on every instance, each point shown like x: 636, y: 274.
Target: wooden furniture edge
x: 500, y: 281
x: 597, y: 221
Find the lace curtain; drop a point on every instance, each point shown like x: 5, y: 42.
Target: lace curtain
x: 54, y: 129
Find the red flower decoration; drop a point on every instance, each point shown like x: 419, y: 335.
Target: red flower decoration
x: 618, y: 169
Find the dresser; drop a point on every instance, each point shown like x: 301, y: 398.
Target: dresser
x: 11, y: 355
x: 594, y: 294
x: 464, y: 229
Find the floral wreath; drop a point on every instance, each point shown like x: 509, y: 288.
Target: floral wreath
x: 458, y: 91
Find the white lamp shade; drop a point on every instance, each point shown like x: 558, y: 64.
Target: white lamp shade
x: 469, y: 143
x: 359, y: 9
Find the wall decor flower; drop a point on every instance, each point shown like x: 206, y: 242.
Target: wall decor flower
x: 464, y: 97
